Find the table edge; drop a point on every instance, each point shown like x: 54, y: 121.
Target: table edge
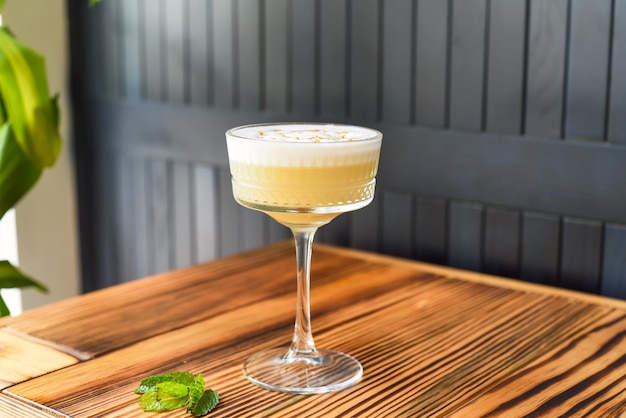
x: 483, y: 278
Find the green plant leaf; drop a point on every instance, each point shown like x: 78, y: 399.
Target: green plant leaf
x: 206, y: 403
x: 24, y: 90
x: 169, y: 391
x: 17, y: 173
x: 4, y: 309
x: 11, y: 277
x: 195, y: 392
x: 1, y: 5
x: 165, y: 396
x: 185, y: 378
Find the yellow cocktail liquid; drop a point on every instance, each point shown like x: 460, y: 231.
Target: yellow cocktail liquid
x: 303, y: 182
x: 320, y: 193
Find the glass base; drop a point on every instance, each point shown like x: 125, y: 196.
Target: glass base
x: 302, y: 373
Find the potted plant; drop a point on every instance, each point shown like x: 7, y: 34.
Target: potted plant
x: 29, y: 135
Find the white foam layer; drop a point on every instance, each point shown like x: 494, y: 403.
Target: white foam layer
x: 305, y: 133
x: 303, y: 144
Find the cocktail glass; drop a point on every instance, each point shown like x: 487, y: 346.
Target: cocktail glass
x: 303, y: 175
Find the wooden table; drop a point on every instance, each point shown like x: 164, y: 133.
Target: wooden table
x: 433, y: 341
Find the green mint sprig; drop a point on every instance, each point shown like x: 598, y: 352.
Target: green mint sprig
x: 169, y: 391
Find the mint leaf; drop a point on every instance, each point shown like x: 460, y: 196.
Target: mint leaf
x: 184, y: 378
x: 149, y: 400
x: 195, y: 392
x: 169, y: 391
x: 165, y: 396
x: 172, y: 395
x: 206, y: 403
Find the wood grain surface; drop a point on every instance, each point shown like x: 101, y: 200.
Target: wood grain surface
x: 433, y: 341
x: 22, y: 358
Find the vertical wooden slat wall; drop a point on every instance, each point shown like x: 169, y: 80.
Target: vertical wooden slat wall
x: 546, y: 60
x: 540, y: 248
x: 617, y: 100
x: 504, y: 72
x: 587, y: 73
x: 155, y: 193
x: 431, y: 75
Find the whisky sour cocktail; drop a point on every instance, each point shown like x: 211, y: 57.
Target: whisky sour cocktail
x: 303, y: 175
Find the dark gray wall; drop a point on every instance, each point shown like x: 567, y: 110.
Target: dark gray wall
x: 504, y: 124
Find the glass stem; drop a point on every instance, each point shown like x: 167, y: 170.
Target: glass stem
x: 302, y: 345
